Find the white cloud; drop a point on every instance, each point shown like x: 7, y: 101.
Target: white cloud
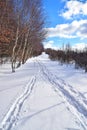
x: 82, y: 32
x: 50, y: 44
x: 74, y: 8
x: 69, y: 30
x: 79, y: 46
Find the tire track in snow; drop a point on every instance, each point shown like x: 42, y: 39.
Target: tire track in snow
x: 77, y: 107
x: 13, y: 113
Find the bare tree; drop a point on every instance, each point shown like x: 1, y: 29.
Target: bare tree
x: 19, y: 13
x: 7, y: 26
x: 21, y: 29
x: 35, y: 33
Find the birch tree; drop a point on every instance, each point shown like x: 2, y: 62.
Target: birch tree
x: 35, y: 33
x: 21, y: 29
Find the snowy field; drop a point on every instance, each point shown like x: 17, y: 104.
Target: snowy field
x: 43, y: 95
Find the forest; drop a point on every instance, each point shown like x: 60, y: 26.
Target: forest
x: 22, y: 33
x: 67, y: 55
x: 21, y: 30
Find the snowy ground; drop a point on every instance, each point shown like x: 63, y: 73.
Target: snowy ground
x: 43, y: 95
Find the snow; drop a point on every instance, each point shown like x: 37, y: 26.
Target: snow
x: 43, y: 95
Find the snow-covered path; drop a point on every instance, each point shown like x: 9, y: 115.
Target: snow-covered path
x: 45, y: 100
x: 77, y: 106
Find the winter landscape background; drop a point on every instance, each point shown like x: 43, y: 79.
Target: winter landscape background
x: 43, y: 65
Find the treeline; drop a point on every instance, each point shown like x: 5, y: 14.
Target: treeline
x: 69, y: 56
x: 21, y: 30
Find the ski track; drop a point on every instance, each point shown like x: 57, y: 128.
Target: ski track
x: 12, y: 115
x: 74, y: 99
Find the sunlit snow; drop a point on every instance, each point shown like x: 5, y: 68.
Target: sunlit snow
x: 43, y: 95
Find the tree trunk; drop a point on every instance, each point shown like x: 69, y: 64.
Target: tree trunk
x: 14, y: 51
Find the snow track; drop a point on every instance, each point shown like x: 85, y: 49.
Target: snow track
x: 46, y: 101
x: 12, y: 115
x: 75, y: 100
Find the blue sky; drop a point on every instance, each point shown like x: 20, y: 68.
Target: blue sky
x: 67, y: 23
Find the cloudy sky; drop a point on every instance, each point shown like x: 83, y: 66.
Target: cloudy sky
x: 67, y: 23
